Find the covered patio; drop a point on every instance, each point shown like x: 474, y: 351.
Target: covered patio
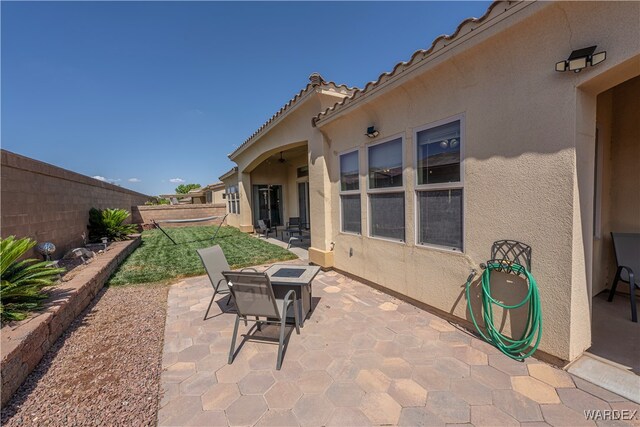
x: 362, y: 358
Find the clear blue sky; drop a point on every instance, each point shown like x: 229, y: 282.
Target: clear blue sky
x: 143, y: 93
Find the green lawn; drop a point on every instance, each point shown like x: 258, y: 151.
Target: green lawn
x: 157, y: 259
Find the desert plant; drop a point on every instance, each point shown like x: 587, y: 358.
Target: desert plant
x: 109, y: 223
x: 157, y: 201
x: 21, y: 282
x: 185, y: 188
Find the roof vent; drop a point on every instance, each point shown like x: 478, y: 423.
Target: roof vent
x: 316, y: 79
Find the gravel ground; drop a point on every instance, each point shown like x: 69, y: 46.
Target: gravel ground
x: 104, y: 370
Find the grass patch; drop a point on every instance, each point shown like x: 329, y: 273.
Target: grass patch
x: 157, y: 259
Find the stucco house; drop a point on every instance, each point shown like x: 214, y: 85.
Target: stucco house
x: 407, y: 182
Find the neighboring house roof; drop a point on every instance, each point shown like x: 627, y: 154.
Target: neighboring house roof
x: 214, y: 186
x: 315, y: 80
x: 228, y: 173
x: 466, y: 26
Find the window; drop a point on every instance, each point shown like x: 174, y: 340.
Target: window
x: 439, y: 188
x: 386, y: 190
x: 302, y: 171
x: 233, y: 199
x: 350, y: 209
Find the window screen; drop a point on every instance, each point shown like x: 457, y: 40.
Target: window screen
x: 440, y: 220
x: 351, y: 219
x: 387, y: 215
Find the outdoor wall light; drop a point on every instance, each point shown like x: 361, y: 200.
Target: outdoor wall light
x: 580, y: 59
x: 372, y: 132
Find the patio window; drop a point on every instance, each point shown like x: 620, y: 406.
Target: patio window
x: 302, y: 171
x: 350, y: 210
x: 439, y: 189
x: 233, y: 199
x: 386, y: 190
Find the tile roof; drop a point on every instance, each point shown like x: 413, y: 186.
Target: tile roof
x: 228, y: 173
x: 467, y: 26
x: 316, y: 80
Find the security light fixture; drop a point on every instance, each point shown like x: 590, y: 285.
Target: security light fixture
x: 372, y: 132
x: 581, y: 58
x: 281, y: 159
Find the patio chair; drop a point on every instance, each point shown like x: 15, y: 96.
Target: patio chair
x: 627, y: 249
x: 253, y: 295
x: 215, y: 263
x: 263, y: 229
x: 293, y: 226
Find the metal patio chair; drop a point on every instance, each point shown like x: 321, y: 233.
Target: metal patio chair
x: 627, y: 249
x: 253, y: 296
x: 215, y: 263
x: 293, y: 226
x: 263, y: 229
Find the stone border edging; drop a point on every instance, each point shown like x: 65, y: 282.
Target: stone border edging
x: 24, y: 343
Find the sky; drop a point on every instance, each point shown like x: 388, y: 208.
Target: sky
x: 148, y: 95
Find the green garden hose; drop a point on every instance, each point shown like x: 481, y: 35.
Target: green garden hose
x: 514, y: 348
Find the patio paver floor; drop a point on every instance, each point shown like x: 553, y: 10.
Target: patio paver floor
x: 362, y: 358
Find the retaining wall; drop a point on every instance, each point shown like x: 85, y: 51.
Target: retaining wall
x: 51, y: 204
x: 24, y: 343
x: 144, y: 214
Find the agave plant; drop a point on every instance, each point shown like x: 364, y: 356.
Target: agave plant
x: 109, y: 223
x: 21, y: 281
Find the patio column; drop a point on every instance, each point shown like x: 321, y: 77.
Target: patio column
x: 244, y: 184
x: 321, y: 203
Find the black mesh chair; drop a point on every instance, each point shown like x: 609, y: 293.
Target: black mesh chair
x: 627, y: 249
x: 253, y: 296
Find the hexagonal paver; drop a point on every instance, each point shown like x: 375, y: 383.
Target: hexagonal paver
x: 212, y: 362
x: 193, y: 353
x: 560, y: 415
x: 380, y: 408
x: 408, y: 341
x: 314, y: 381
x: 535, y: 390
x: 367, y: 359
x: 343, y: 370
x: 179, y: 411
x: 447, y: 406
x: 208, y: 418
x: 389, y: 348
x: 362, y: 341
x: 491, y: 377
x: 490, y: 416
x: 313, y: 410
x: 396, y: 367
x: 232, y: 373
x: 246, y: 410
x: 278, y: 418
x: 452, y: 367
x: 220, y: 396
x: 178, y: 372
x: 315, y: 360
x: 283, y: 395
x: 470, y: 355
x: 344, y: 394
x: 471, y: 391
x: 507, y: 365
x: 550, y: 375
x: 256, y: 382
x: 373, y: 380
x: 348, y: 417
x: 430, y: 378
x: 407, y: 393
x: 197, y: 383
x: 518, y: 406
x: 412, y: 417
x: 581, y: 401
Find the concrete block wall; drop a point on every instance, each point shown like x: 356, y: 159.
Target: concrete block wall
x: 51, y: 204
x: 144, y: 214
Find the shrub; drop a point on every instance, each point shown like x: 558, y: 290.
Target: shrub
x: 157, y: 201
x: 109, y: 223
x: 21, y: 282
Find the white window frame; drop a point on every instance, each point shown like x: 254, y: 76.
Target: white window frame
x: 401, y: 189
x: 341, y: 192
x: 440, y: 186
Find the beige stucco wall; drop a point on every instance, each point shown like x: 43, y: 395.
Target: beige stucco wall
x: 524, y: 178
x: 232, y: 219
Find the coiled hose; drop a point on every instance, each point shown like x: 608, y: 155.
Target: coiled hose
x: 514, y: 348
